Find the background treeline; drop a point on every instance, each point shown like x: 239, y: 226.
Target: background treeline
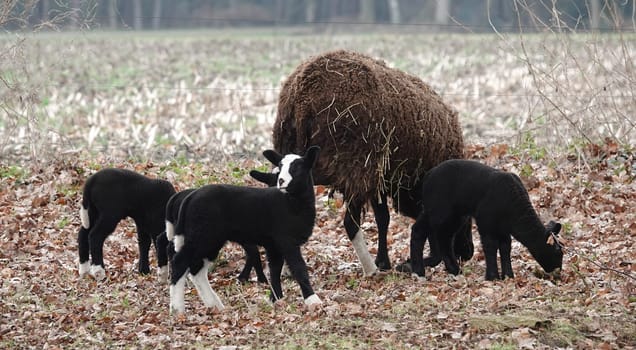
x: 417, y: 15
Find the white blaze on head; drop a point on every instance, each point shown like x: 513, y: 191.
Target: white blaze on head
x: 284, y: 178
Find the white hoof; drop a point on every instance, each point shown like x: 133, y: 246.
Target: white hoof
x: 84, y: 268
x: 313, y: 300
x: 98, y: 272
x: 163, y: 273
x: 418, y: 277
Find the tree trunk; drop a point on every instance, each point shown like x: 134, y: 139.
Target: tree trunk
x: 595, y: 14
x: 156, y: 15
x: 310, y: 11
x: 442, y: 12
x: 137, y: 20
x: 112, y: 14
x: 394, y: 11
x: 76, y: 9
x: 367, y: 11
x: 46, y: 6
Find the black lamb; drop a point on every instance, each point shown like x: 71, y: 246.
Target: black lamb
x: 279, y: 219
x: 111, y: 195
x: 172, y: 214
x: 500, y: 205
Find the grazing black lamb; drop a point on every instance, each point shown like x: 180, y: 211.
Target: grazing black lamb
x: 111, y: 195
x: 500, y: 205
x: 279, y: 219
x: 379, y: 128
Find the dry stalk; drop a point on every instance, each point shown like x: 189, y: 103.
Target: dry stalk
x: 582, y: 81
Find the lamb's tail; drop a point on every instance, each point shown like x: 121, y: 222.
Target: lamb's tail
x: 169, y: 218
x: 83, y: 212
x: 179, y: 229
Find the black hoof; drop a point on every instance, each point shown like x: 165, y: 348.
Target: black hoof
x: 404, y: 267
x: 383, y: 265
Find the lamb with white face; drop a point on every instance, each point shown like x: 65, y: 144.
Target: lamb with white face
x: 285, y: 177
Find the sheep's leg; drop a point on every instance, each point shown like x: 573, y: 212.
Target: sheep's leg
x: 199, y: 277
x: 419, y: 232
x: 298, y: 268
x: 382, y: 218
x: 104, y: 226
x: 84, y: 251
x: 253, y: 258
x: 275, y: 260
x: 356, y: 235
x: 504, y: 255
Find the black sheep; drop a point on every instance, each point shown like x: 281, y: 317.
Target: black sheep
x: 279, y: 219
x: 500, y: 205
x: 380, y: 129
x: 111, y: 195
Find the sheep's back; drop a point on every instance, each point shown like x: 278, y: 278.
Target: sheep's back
x: 377, y: 126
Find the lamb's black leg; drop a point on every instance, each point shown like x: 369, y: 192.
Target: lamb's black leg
x: 356, y: 235
x: 161, y: 245
x: 144, y: 241
x: 419, y: 232
x: 96, y: 237
x: 504, y: 255
x: 382, y: 218
x: 490, y: 247
x: 253, y: 259
x: 83, y: 248
x: 298, y: 269
x: 443, y: 235
x: 463, y: 243
x: 275, y: 260
x: 163, y: 256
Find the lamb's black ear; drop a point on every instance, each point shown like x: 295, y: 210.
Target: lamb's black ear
x: 553, y: 227
x: 273, y: 156
x: 267, y: 178
x: 312, y: 155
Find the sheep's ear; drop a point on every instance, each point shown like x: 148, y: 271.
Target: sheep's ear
x: 553, y: 227
x: 273, y: 156
x: 267, y: 178
x: 312, y: 155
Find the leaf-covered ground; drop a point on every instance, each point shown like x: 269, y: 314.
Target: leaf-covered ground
x: 197, y: 108
x: 45, y: 304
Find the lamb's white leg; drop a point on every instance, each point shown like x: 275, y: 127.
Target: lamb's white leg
x: 313, y: 300
x: 202, y: 284
x: 360, y: 245
x: 177, y: 296
x: 84, y: 268
x: 97, y: 271
x: 163, y: 273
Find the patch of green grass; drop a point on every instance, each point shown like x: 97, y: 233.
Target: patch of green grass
x: 529, y: 147
x: 503, y: 346
x: 64, y: 221
x: 13, y: 172
x: 353, y: 283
